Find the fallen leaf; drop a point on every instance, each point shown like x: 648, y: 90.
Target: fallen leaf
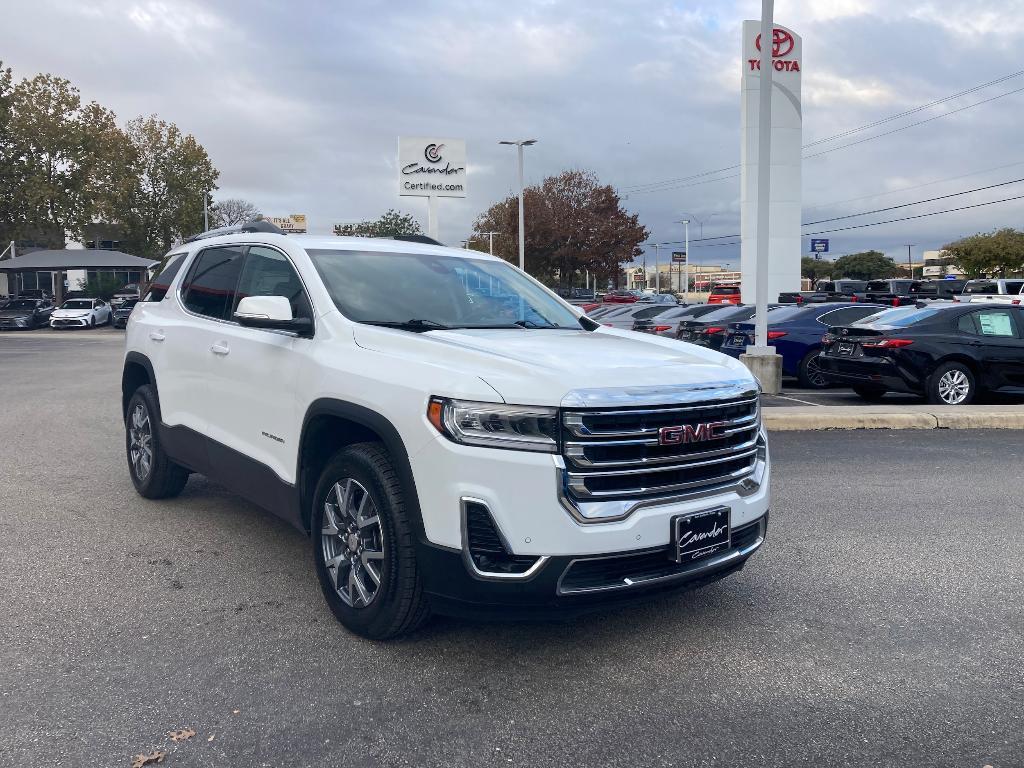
x: 211, y: 737
x: 153, y: 757
x: 235, y: 711
x: 182, y: 735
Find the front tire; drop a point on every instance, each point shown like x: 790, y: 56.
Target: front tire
x: 154, y: 475
x: 952, y: 384
x: 363, y: 545
x: 810, y: 373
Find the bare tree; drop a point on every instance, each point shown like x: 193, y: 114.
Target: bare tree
x: 234, y: 210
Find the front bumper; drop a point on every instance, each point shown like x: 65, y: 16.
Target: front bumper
x: 69, y: 322
x: 563, y: 586
x: 14, y: 323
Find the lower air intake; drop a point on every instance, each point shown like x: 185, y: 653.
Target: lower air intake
x: 487, y: 550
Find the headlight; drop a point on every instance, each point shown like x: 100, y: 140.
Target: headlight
x: 516, y: 427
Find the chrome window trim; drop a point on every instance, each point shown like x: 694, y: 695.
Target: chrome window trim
x: 187, y: 269
x: 714, y: 562
x: 529, y: 573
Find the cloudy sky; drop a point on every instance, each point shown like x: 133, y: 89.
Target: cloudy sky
x: 300, y: 104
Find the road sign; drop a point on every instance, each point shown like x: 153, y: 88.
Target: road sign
x: 678, y: 257
x: 819, y: 246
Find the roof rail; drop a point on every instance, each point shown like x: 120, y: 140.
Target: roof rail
x: 256, y: 225
x: 417, y: 239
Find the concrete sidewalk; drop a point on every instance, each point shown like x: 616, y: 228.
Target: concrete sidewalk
x: 798, y: 418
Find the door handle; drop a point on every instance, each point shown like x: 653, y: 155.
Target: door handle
x: 220, y: 348
x: 157, y: 335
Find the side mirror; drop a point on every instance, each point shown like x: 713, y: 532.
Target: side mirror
x: 271, y: 312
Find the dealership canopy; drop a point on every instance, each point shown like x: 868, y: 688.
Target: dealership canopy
x: 75, y: 258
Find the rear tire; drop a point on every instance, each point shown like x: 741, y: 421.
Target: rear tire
x: 871, y: 394
x: 810, y: 373
x: 364, y: 546
x: 952, y: 384
x: 154, y: 475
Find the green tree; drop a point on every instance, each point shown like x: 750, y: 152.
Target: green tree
x: 62, y: 160
x: 988, y: 253
x: 390, y: 224
x: 573, y: 223
x: 868, y: 265
x: 171, y: 174
x: 101, y: 286
x: 815, y: 269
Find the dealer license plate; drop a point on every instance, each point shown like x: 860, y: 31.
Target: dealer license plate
x: 846, y: 348
x: 739, y: 340
x: 700, y: 535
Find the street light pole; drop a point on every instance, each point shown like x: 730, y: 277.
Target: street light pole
x: 657, y: 263
x: 686, y: 264
x: 910, y: 263
x: 519, y: 144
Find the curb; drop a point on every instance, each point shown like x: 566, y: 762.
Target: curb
x: 785, y: 419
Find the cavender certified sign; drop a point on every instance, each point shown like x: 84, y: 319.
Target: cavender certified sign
x: 431, y: 167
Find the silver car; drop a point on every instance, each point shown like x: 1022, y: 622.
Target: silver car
x: 632, y: 313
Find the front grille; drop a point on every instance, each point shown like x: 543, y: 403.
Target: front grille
x: 635, y: 569
x: 486, y: 548
x: 617, y: 454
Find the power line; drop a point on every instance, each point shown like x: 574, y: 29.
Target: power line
x: 915, y: 110
x: 918, y: 216
x: 669, y: 184
x: 906, y: 205
x: 909, y: 189
x: 911, y: 125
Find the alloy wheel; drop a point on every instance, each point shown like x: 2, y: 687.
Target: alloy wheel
x: 815, y: 375
x: 352, y: 541
x: 140, y: 440
x: 954, y: 387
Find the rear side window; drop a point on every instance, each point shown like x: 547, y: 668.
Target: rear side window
x: 209, y: 288
x: 162, y: 282
x: 981, y: 288
x: 648, y: 312
x: 989, y: 322
x: 1014, y: 286
x: 846, y: 316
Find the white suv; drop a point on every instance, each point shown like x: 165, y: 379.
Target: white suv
x: 454, y: 437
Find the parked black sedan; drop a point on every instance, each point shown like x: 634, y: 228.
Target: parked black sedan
x: 946, y: 352
x: 709, y: 330
x: 119, y: 319
x: 24, y: 314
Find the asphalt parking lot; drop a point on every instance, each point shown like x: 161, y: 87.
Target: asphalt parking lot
x: 882, y: 623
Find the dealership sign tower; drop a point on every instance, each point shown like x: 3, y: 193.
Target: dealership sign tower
x: 786, y: 140
x: 431, y: 168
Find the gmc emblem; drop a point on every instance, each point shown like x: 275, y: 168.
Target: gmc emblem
x: 691, y: 433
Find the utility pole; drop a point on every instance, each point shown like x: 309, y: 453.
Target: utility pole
x: 686, y: 264
x: 519, y: 144
x: 910, y: 263
x: 657, y: 263
x: 206, y: 213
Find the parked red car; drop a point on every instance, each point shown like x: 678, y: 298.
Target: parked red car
x: 621, y: 296
x: 725, y: 293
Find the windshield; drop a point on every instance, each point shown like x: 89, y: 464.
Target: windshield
x: 897, y: 318
x: 77, y: 304
x: 21, y: 304
x: 426, y: 291
x: 735, y: 313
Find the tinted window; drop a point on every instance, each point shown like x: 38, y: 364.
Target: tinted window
x: 989, y: 322
x: 162, y: 282
x: 878, y: 286
x: 23, y: 304
x: 1014, y: 286
x: 846, y: 316
x: 981, y: 288
x: 648, y: 312
x: 78, y: 304
x: 725, y: 290
x: 728, y: 313
x: 210, y: 285
x: 269, y: 273
x: 850, y: 286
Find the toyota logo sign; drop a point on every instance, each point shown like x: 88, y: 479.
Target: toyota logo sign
x: 782, y: 43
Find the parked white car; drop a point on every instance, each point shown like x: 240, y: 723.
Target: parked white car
x: 81, y: 313
x: 997, y: 291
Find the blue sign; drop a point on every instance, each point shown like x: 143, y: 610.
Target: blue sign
x: 819, y: 246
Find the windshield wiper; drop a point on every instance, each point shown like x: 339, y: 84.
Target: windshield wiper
x: 415, y: 324
x: 533, y: 324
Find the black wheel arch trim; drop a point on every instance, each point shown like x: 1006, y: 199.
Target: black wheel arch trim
x: 390, y: 437
x: 137, y: 358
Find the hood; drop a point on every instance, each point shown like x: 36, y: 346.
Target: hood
x: 15, y: 312
x: 542, y: 367
x: 71, y: 312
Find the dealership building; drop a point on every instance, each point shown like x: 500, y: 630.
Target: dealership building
x: 58, y: 271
